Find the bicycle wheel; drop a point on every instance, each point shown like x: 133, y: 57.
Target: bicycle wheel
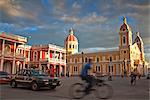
x: 76, y: 91
x: 104, y: 91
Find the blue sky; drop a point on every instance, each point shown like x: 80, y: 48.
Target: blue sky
x: 96, y: 22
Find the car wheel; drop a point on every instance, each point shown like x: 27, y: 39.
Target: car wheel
x: 52, y: 87
x: 35, y: 86
x: 13, y: 84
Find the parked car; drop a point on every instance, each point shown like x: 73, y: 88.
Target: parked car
x: 34, y: 79
x: 4, y: 77
x: 148, y: 76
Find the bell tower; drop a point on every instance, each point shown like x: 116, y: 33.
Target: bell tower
x: 71, y: 43
x: 125, y: 37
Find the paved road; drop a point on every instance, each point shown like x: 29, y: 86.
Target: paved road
x: 121, y: 87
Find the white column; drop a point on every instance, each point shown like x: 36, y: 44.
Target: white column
x: 13, y: 67
x: 2, y: 57
x: 60, y: 70
x: 48, y: 56
x: 29, y: 58
x: 24, y: 55
x: 29, y: 55
x: 54, y: 56
x: 40, y: 54
x: 14, y: 49
x: 65, y: 70
x: 3, y: 47
x: 2, y: 61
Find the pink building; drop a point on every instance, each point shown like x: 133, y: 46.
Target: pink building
x: 11, y: 60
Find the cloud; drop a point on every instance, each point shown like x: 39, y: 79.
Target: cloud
x: 98, y: 49
x: 92, y: 18
x: 139, y: 7
x: 59, y: 8
x: 12, y: 8
x: 76, y: 5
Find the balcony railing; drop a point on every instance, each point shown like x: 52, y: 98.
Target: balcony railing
x: 52, y: 60
x: 11, y: 54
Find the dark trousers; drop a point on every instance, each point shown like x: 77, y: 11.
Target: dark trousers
x: 89, y: 79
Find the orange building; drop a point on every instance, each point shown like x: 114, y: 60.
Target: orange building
x: 119, y: 61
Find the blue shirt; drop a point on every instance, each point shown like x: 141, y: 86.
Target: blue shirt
x: 84, y: 71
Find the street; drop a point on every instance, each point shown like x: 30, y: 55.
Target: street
x: 122, y: 90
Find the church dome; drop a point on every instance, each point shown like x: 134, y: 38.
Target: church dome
x: 71, y: 36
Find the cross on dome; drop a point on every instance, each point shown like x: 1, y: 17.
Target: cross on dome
x: 125, y: 19
x: 71, y: 31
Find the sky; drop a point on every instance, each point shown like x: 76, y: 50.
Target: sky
x: 96, y: 22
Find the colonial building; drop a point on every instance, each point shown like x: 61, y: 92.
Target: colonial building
x: 49, y: 57
x: 10, y: 59
x: 16, y: 55
x: 120, y: 61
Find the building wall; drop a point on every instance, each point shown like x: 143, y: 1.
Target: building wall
x: 101, y: 60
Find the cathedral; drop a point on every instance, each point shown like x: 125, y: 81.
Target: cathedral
x: 129, y: 55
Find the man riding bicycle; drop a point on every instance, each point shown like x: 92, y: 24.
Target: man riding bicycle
x: 84, y: 75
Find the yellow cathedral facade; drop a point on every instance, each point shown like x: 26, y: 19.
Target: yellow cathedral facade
x: 129, y: 55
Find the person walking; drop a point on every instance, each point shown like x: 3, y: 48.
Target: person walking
x: 133, y: 77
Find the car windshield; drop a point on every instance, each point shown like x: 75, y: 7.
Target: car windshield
x: 38, y: 73
x: 3, y: 73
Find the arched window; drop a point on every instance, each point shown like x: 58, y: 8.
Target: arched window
x: 75, y: 60
x: 97, y: 59
x: 124, y: 40
x: 110, y: 58
x: 73, y: 46
x: 7, y: 48
x: 98, y: 69
x: 75, y: 68
x: 70, y: 46
x: 86, y: 59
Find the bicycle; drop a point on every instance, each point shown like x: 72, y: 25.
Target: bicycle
x: 100, y: 88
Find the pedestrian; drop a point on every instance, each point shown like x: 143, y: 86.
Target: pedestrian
x: 133, y: 77
x: 110, y: 76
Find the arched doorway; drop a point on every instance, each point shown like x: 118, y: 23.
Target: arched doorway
x: 7, y: 66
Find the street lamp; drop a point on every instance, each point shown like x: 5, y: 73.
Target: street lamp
x: 82, y: 59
